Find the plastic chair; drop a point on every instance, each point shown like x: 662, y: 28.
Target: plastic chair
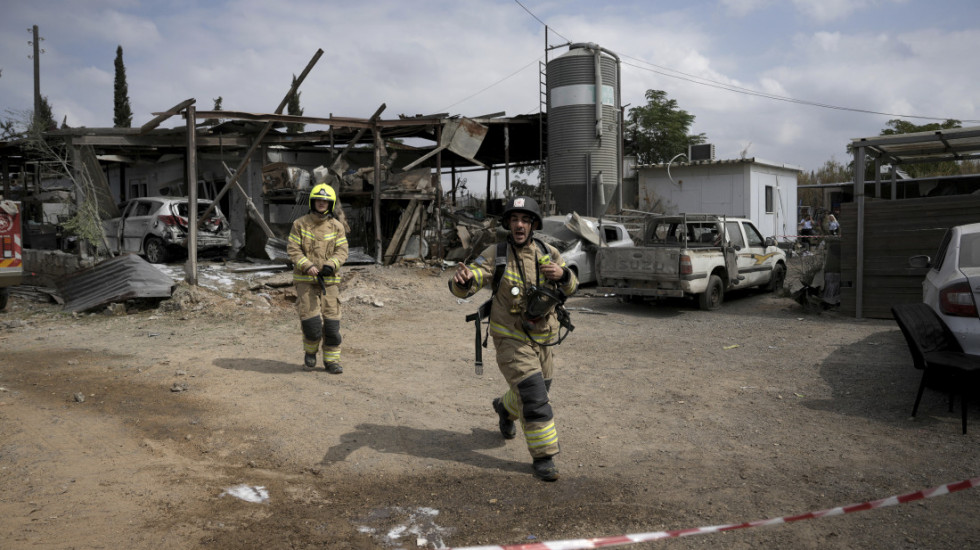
x: 936, y: 352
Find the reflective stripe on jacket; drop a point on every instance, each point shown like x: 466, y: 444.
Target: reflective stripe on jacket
x: 317, y: 241
x: 505, y: 316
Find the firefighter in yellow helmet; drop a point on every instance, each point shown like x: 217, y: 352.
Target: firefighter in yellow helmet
x: 522, y: 338
x: 318, y: 247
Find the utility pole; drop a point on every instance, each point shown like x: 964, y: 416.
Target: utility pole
x: 37, y: 71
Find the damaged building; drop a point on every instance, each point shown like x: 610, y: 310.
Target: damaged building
x: 388, y: 175
x: 397, y: 178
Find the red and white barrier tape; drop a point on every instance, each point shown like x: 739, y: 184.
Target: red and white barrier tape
x: 809, y: 236
x: 620, y: 540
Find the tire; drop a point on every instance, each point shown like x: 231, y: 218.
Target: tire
x: 777, y: 278
x: 4, y: 294
x: 156, y: 250
x: 713, y: 296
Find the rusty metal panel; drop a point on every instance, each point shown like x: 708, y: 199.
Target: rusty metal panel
x: 116, y: 280
x: 463, y: 137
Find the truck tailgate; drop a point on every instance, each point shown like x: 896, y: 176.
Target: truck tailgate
x: 637, y: 263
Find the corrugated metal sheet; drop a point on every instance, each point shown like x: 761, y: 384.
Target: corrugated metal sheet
x: 934, y: 146
x: 115, y: 280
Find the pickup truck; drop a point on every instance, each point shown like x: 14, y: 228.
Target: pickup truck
x: 694, y: 255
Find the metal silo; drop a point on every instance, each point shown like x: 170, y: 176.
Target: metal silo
x: 584, y: 129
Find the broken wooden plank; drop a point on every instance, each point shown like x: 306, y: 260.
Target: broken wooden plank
x: 408, y: 234
x: 404, y: 225
x: 165, y: 115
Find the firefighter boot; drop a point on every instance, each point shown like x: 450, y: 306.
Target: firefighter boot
x: 506, y: 425
x: 309, y: 361
x: 333, y: 367
x: 544, y: 469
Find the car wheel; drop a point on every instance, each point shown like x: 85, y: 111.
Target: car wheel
x: 777, y: 278
x: 156, y: 250
x: 713, y: 295
x: 4, y: 294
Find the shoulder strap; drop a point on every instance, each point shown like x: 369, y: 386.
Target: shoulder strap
x: 499, y: 264
x: 542, y: 247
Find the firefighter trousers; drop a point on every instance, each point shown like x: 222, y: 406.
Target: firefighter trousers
x: 319, y: 314
x: 528, y: 368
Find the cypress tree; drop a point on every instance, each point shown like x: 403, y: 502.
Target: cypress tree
x: 293, y: 108
x: 122, y: 115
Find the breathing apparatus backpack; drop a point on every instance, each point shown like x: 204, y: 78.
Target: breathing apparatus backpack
x: 540, y: 301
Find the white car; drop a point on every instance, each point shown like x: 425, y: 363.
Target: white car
x: 952, y: 285
x: 156, y: 227
x: 579, y: 238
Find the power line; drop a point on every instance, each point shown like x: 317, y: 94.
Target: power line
x: 511, y: 75
x: 747, y: 91
x: 539, y: 20
x: 722, y: 86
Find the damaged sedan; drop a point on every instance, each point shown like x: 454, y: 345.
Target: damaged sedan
x: 157, y: 228
x: 578, y: 238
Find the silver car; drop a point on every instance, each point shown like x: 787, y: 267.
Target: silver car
x: 577, y: 238
x: 157, y: 228
x: 952, y: 285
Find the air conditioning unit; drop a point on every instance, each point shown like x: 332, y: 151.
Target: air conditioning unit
x: 701, y: 152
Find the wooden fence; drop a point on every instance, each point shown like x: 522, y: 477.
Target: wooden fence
x: 895, y: 230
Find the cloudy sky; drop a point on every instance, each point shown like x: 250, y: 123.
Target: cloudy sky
x: 788, y: 81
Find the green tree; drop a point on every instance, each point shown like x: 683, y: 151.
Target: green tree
x: 43, y: 120
x: 899, y: 126
x: 9, y: 130
x: 947, y: 168
x: 293, y: 108
x: 523, y: 188
x: 658, y: 131
x: 217, y: 107
x: 832, y: 171
x: 122, y: 115
x: 926, y: 169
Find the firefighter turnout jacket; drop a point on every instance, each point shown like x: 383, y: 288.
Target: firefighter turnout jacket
x: 510, y: 299
x: 317, y: 241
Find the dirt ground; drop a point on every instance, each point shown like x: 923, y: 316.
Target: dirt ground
x: 159, y: 427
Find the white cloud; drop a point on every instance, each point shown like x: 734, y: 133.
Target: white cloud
x: 475, y: 57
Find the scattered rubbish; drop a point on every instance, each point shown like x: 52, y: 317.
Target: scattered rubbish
x: 733, y: 346
x: 248, y: 493
x: 392, y: 524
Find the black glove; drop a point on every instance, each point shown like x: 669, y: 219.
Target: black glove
x: 326, y: 270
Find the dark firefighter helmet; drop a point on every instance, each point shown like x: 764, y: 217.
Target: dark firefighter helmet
x: 523, y: 204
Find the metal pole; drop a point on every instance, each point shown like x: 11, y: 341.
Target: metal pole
x: 37, y: 76
x: 190, y: 268
x: 438, y: 186
x: 859, y: 198
x: 378, y: 255
x: 506, y: 159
